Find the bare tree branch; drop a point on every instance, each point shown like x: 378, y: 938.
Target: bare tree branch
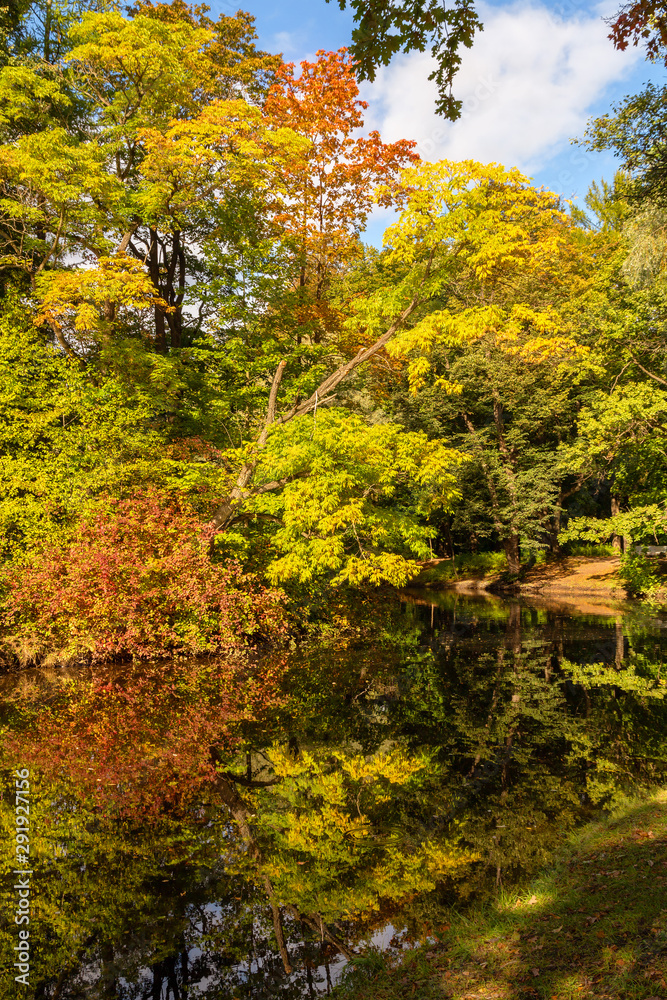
x: 657, y: 378
x: 228, y: 509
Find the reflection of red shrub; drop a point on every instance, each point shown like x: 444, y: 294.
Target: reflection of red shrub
x: 137, y: 581
x: 144, y: 736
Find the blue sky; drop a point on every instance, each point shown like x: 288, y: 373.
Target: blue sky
x: 534, y: 76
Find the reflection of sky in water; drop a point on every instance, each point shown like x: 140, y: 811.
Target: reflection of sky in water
x: 387, y: 939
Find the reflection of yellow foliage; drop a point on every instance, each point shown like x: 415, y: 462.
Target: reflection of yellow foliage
x: 333, y: 847
x: 394, y: 766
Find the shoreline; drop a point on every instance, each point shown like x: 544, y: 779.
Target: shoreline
x: 587, y: 926
x: 569, y: 577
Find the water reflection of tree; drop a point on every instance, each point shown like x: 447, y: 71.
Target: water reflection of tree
x: 280, y: 821
x: 531, y: 741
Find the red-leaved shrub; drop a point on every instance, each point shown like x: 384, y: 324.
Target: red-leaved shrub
x: 136, y: 580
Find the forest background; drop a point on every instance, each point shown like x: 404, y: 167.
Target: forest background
x: 220, y: 406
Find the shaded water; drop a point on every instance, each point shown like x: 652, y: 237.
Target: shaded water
x: 241, y: 830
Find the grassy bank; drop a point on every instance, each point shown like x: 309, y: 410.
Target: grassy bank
x: 593, y: 926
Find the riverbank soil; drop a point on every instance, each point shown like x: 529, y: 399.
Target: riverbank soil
x: 576, y: 575
x: 569, y: 576
x: 593, y: 926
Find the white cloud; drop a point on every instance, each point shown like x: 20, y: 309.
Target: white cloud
x: 527, y: 86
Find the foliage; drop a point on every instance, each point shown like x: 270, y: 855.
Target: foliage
x: 366, y: 769
x: 640, y: 21
x: 65, y: 437
x: 492, y: 359
x: 559, y: 932
x: 468, y: 565
x: 387, y: 28
x: 135, y: 580
x: 327, y: 191
x: 632, y: 130
x: 139, y: 742
x: 608, y: 203
x: 371, y: 770
x: 159, y: 127
x: 622, y: 434
x: 360, y: 511
x: 590, y: 551
x: 639, y: 575
x: 183, y: 269
x: 324, y: 819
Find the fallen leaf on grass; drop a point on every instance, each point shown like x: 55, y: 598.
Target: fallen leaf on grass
x: 532, y: 901
x: 535, y: 972
x: 557, y: 930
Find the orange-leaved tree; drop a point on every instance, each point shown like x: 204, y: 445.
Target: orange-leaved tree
x: 328, y: 187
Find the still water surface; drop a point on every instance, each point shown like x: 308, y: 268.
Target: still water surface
x: 233, y: 831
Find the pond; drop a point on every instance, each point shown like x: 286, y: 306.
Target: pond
x: 243, y: 829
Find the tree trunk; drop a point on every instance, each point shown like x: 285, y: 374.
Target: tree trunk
x: 236, y: 805
x: 511, y: 546
x: 278, y: 927
x: 554, y: 544
x: 154, y: 271
x: 448, y: 536
x: 620, y: 643
x: 513, y: 634
x: 616, y: 539
x: 231, y: 505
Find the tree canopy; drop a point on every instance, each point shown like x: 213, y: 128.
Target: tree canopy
x: 192, y: 322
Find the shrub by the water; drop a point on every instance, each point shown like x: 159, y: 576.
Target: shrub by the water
x: 135, y: 580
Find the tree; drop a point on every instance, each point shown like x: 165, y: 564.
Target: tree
x: 66, y: 438
x: 356, y: 499
x: 135, y: 581
x: 634, y: 131
x: 124, y: 176
x: 512, y: 411
x: 327, y: 192
x: 640, y: 21
x: 502, y: 273
x: 609, y: 204
x: 385, y: 28
x: 181, y: 161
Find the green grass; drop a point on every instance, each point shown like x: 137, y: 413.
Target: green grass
x: 590, y: 551
x: 593, y: 926
x: 468, y: 566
